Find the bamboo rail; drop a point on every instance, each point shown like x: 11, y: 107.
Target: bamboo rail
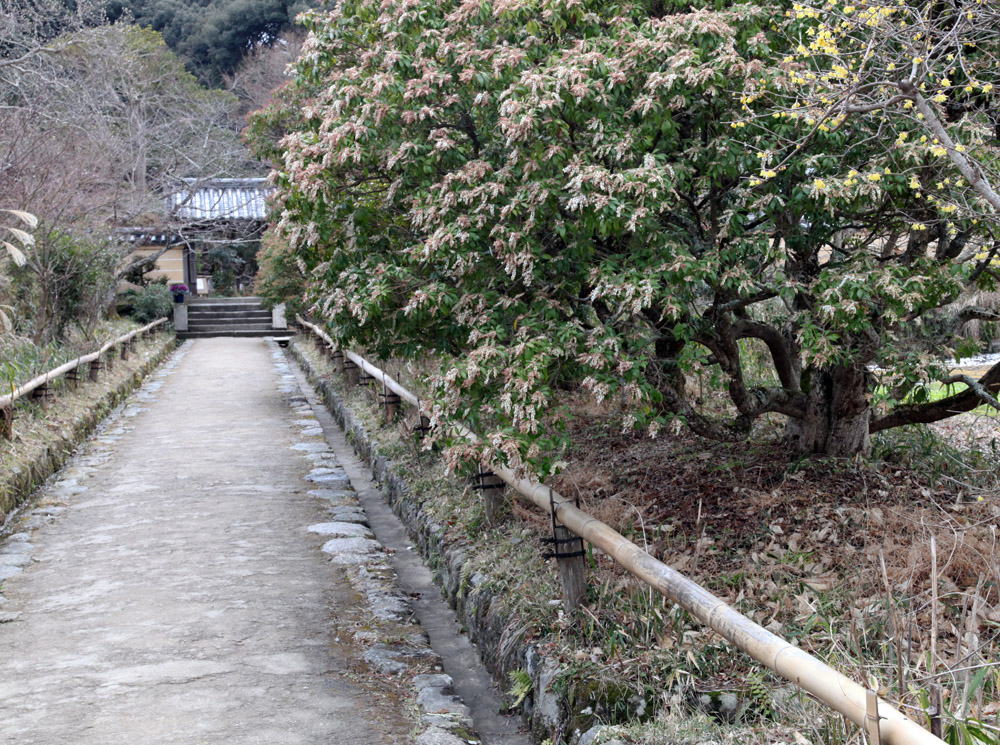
x: 9, y: 400
x: 881, y: 721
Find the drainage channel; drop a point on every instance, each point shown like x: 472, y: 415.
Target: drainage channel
x: 461, y: 661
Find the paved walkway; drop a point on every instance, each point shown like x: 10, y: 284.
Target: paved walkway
x: 171, y: 591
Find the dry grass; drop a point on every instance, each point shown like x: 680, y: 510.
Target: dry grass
x: 798, y: 546
x: 40, y: 432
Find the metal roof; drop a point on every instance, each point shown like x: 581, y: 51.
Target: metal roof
x: 219, y: 199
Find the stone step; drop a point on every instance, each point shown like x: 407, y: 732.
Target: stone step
x: 229, y: 326
x: 203, y: 334
x: 217, y: 308
x: 256, y: 316
x: 199, y: 299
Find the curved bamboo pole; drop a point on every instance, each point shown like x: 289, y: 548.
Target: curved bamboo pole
x: 828, y: 685
x: 23, y: 390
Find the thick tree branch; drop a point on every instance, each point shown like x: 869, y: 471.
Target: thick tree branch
x: 975, y: 313
x: 985, y: 390
x: 781, y: 355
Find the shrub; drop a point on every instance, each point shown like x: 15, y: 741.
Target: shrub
x: 155, y: 301
x: 68, y: 279
x: 279, y: 279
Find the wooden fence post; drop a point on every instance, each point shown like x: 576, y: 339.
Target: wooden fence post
x: 492, y: 487
x: 42, y: 394
x: 567, y: 550
x: 425, y: 423
x: 7, y: 422
x: 392, y: 402
x: 124, y: 350
x: 351, y: 372
x: 95, y: 370
x: 73, y: 378
x: 338, y: 361
x: 132, y: 343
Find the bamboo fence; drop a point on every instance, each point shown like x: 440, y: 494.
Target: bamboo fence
x: 881, y: 722
x: 42, y: 381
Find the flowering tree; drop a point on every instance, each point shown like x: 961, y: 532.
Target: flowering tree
x: 564, y: 193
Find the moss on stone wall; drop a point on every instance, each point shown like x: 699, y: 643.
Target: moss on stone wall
x: 44, y: 440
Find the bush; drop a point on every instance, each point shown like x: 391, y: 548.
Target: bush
x: 68, y: 279
x: 155, y: 301
x: 279, y: 279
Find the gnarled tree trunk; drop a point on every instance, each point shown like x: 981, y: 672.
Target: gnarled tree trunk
x: 837, y: 414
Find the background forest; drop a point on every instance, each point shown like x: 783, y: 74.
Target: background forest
x: 100, y: 117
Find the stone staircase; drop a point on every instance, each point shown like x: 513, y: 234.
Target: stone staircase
x: 227, y: 316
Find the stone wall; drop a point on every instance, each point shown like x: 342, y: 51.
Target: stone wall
x: 547, y: 710
x: 17, y: 485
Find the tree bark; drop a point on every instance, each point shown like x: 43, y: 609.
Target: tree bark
x: 837, y: 414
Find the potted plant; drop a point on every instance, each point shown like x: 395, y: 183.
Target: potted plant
x: 179, y: 291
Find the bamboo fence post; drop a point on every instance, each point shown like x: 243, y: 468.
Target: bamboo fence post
x: 871, y: 719
x: 934, y: 710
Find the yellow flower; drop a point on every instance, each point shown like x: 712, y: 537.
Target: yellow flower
x: 819, y: 183
x: 874, y: 176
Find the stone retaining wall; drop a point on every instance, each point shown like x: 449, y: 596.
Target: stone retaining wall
x: 18, y: 485
x: 545, y: 709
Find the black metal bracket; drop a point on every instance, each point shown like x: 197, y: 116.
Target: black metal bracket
x: 482, y: 475
x: 555, y: 541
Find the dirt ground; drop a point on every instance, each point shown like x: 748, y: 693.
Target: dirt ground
x: 799, y: 545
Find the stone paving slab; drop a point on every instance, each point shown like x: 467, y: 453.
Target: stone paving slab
x: 172, y: 585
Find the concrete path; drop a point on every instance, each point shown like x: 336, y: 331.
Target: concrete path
x: 169, y: 590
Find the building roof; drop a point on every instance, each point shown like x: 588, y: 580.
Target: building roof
x: 219, y: 199
x: 146, y: 236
